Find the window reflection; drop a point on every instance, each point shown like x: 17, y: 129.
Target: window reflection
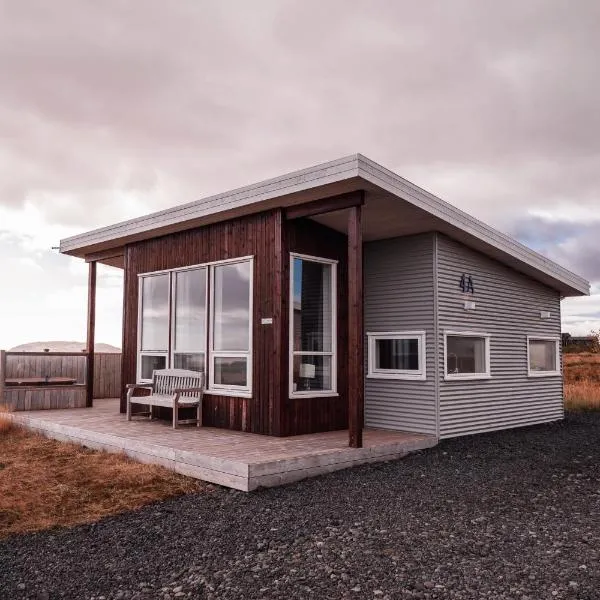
x: 232, y: 307
x: 155, y: 312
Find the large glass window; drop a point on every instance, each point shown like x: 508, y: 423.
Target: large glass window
x: 543, y: 356
x: 154, y: 324
x: 189, y: 316
x: 231, y: 332
x: 312, y: 326
x: 397, y: 355
x: 174, y: 321
x: 467, y: 356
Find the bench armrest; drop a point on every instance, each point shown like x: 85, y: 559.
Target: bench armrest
x: 187, y: 390
x: 133, y: 386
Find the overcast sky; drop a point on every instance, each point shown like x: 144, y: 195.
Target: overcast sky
x: 112, y: 109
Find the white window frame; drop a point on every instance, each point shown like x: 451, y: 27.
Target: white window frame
x: 487, y: 355
x: 373, y: 372
x: 334, y: 327
x: 541, y: 338
x: 217, y: 390
x: 140, y: 352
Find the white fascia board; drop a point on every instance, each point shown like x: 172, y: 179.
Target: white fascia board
x: 298, y: 181
x: 252, y: 198
x: 405, y: 190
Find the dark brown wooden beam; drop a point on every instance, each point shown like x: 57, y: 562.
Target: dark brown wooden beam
x: 91, y: 334
x: 280, y: 331
x: 125, y: 375
x: 325, y: 205
x: 355, y: 328
x: 104, y: 255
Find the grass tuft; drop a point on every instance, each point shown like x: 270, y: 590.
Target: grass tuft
x: 6, y: 424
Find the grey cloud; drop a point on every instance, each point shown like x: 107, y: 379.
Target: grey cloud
x: 198, y: 97
x: 571, y: 244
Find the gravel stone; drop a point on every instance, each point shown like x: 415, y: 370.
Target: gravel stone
x: 514, y: 514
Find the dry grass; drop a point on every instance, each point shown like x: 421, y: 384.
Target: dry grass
x: 6, y: 424
x: 46, y: 483
x: 582, y: 381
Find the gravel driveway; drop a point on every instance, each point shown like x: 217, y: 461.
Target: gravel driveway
x: 507, y: 515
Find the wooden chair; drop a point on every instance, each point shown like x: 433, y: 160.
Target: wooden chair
x: 173, y: 388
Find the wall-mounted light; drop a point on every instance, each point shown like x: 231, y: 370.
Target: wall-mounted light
x: 545, y: 314
x: 469, y: 305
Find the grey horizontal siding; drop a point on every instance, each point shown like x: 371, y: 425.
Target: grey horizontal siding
x: 508, y: 306
x: 399, y: 296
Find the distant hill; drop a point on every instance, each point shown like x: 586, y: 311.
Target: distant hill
x: 62, y: 347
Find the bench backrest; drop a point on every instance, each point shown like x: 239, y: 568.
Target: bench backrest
x: 166, y: 380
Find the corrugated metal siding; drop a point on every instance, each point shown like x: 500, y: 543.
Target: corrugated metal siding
x: 399, y: 296
x: 508, y: 306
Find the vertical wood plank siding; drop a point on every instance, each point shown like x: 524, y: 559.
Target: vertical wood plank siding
x: 107, y: 375
x: 508, y: 306
x: 311, y: 415
x: 254, y: 235
x: 399, y: 296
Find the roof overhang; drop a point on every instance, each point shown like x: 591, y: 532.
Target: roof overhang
x: 393, y: 207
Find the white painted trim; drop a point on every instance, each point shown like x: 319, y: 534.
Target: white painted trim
x: 334, y: 333
x: 267, y: 194
x: 404, y: 374
x: 217, y: 388
x: 468, y: 376
x: 541, y: 338
x: 228, y: 392
x: 139, y: 351
x: 402, y: 188
x: 198, y: 266
x: 246, y: 200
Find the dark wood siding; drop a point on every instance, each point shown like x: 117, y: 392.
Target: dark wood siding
x: 252, y: 236
x: 310, y: 415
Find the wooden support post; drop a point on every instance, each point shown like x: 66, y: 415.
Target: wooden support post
x: 91, y: 334
x: 2, y: 375
x: 355, y: 328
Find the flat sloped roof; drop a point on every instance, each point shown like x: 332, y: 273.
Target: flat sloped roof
x: 390, y: 198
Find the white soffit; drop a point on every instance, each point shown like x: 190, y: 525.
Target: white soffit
x: 335, y: 177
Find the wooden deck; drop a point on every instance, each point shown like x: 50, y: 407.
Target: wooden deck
x: 238, y: 460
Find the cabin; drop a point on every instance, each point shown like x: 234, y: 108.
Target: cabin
x: 340, y: 296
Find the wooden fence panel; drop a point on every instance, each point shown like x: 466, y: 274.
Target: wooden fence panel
x: 15, y: 365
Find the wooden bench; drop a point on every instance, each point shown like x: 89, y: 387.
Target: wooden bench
x: 173, y: 388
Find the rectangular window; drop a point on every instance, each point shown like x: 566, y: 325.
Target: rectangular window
x: 231, y: 331
x: 174, y: 323
x: 154, y: 324
x: 467, y: 355
x: 543, y: 356
x: 313, y: 328
x: 396, y: 355
x: 189, y: 319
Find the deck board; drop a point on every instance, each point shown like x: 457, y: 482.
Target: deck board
x: 234, y: 459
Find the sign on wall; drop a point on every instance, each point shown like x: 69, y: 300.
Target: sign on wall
x: 466, y: 284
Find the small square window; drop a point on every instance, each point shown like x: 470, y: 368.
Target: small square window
x: 543, y: 356
x: 467, y: 356
x: 397, y: 355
